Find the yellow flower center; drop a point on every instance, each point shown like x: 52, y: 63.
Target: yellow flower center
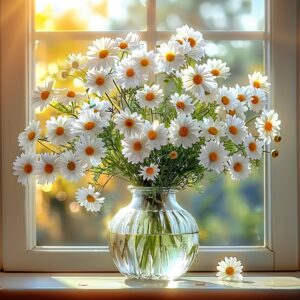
x: 192, y: 41
x: 31, y: 135
x: 59, y: 130
x: 130, y: 72
x: 173, y: 154
x: 231, y: 112
x: 268, y: 126
x: 213, y: 156
x: 238, y: 167
x: 71, y: 166
x: 241, y: 97
x: 137, y: 146
x: 229, y: 271
x: 256, y: 84
x: 71, y: 94
x: 45, y: 95
x: 90, y: 198
x: 48, y: 168
x: 123, y: 45
x: 215, y: 72
x: 170, y: 56
x: 150, y: 171
x: 184, y: 131
x: 75, y: 65
x: 225, y: 100
x: 152, y: 135
x: 255, y: 99
x: 233, y: 130
x: 100, y: 80
x: 27, y: 168
x: 89, y: 150
x: 89, y: 125
x: 149, y: 96
x: 252, y: 146
x: 180, y: 105
x: 144, y: 62
x: 197, y: 79
x: 129, y: 123
x: 213, y: 130
x: 103, y: 53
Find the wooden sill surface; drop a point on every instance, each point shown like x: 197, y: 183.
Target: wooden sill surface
x: 275, y: 285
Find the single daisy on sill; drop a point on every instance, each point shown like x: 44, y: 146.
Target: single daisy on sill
x: 59, y: 130
x: 227, y: 98
x: 24, y: 167
x: 90, y: 199
x: 102, y: 108
x: 170, y: 57
x: 268, y: 125
x: 128, y: 75
x: 218, y: 68
x: 76, y: 61
x: 43, y: 95
x: 99, y: 81
x: 258, y: 100
x: 210, y: 129
x: 198, y: 80
x: 259, y: 81
x: 136, y: 149
x: 67, y: 96
x: 243, y: 93
x: 230, y: 269
x: 150, y: 96
x: 129, y: 123
x: 149, y: 172
x: 195, y: 40
x: 184, y: 131
x: 129, y: 43
x: 253, y: 147
x: 71, y: 167
x: 102, y: 54
x: 156, y: 133
x: 48, y: 168
x: 145, y: 62
x: 235, y: 129
x: 29, y: 136
x: 91, y: 151
x: 88, y: 122
x: 182, y: 103
x: 213, y: 156
x: 239, y: 167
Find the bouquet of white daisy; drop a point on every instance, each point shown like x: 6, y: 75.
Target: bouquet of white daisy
x: 158, y: 118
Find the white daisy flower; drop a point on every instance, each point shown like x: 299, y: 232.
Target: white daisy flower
x: 76, y: 61
x: 128, y: 75
x: 102, y: 108
x: 210, y: 129
x: 227, y: 98
x: 243, y: 93
x: 259, y: 81
x: 182, y: 103
x: 218, y: 68
x: 258, y: 100
x: 184, y: 131
x: 198, y: 80
x: 99, y: 81
x: 29, y: 136
x: 129, y: 123
x: 235, y: 129
x: 43, y: 95
x: 150, y: 96
x: 210, y: 97
x: 239, y: 167
x: 129, y: 43
x: 145, y: 62
x: 230, y: 269
x: 195, y: 40
x: 102, y: 53
x: 71, y: 167
x: 170, y: 57
x: 268, y: 125
x: 238, y: 111
x: 48, y: 168
x: 91, y: 151
x: 90, y: 199
x: 157, y: 134
x: 88, y: 122
x: 149, y: 172
x: 213, y: 156
x: 59, y: 130
x: 24, y: 167
x: 253, y: 147
x: 136, y: 149
x: 66, y: 96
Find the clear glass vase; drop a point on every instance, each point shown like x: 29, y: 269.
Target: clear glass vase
x: 153, y: 237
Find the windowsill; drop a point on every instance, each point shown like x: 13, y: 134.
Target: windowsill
x: 113, y: 286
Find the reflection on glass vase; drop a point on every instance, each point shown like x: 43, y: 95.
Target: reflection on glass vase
x: 153, y: 237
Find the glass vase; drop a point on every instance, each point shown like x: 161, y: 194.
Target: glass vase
x: 153, y: 237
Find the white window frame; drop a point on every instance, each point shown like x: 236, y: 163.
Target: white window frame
x: 20, y: 252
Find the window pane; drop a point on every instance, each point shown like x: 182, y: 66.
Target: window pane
x: 228, y: 213
x: 92, y: 15
x: 211, y: 15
